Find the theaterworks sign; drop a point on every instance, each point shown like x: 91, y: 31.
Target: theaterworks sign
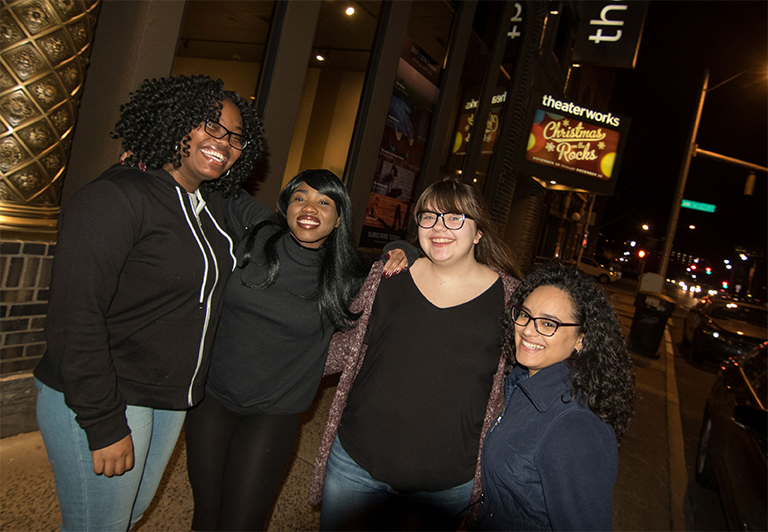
x: 573, y: 145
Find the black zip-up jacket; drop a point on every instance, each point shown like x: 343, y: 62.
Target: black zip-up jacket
x: 136, y: 291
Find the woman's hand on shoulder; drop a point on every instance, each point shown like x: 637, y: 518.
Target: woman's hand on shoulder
x: 127, y: 154
x: 399, y: 255
x: 114, y: 459
x: 396, y: 262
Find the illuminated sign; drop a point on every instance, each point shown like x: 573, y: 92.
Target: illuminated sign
x: 574, y: 145
x: 609, y: 33
x: 697, y: 206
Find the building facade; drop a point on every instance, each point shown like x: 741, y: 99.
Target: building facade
x: 390, y: 97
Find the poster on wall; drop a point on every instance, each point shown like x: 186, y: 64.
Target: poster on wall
x: 401, y: 153
x: 574, y: 145
x: 467, y: 121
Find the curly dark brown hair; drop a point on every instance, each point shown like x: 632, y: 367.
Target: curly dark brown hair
x: 155, y: 125
x: 602, y: 368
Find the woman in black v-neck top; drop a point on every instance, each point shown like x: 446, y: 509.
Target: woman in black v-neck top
x: 433, y: 447
x: 426, y: 377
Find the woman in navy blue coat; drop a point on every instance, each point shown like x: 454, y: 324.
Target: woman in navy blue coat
x: 551, y: 460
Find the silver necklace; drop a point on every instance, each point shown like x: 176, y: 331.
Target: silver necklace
x: 442, y: 283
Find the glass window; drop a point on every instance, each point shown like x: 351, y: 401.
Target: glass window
x: 503, y: 85
x: 412, y: 105
x: 430, y: 27
x: 224, y: 39
x: 333, y: 86
x: 485, y: 27
x: 472, y: 74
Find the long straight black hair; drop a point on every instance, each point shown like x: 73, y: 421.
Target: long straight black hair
x: 341, y: 268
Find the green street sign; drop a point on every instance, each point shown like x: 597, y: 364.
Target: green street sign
x: 697, y: 206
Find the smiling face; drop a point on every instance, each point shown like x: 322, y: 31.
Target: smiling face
x: 532, y: 349
x: 208, y: 157
x: 446, y: 246
x: 311, y: 216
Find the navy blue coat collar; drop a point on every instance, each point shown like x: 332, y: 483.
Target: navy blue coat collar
x: 546, y: 387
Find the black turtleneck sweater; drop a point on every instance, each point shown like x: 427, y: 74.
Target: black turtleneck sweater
x: 271, y: 344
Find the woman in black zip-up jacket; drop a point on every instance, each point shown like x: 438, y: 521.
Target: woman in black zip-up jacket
x: 139, y: 272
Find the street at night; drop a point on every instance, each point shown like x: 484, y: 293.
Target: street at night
x: 157, y: 254
x: 656, y: 489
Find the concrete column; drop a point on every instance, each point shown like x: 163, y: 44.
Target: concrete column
x: 279, y: 93
x: 135, y: 40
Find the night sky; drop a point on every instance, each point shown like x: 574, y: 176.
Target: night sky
x: 681, y: 40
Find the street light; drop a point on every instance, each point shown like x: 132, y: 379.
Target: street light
x: 691, y: 151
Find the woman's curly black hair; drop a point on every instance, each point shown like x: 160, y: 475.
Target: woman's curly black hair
x: 602, y: 368
x: 156, y: 122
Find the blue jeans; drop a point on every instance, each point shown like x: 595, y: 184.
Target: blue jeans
x: 91, y: 502
x: 353, y: 500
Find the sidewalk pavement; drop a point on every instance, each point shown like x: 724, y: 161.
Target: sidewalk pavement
x: 28, y: 500
x: 649, y: 493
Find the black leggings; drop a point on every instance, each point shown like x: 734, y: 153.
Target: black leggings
x: 235, y: 465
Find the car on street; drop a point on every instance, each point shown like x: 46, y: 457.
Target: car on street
x: 604, y: 274
x: 717, y: 328
x: 732, y: 446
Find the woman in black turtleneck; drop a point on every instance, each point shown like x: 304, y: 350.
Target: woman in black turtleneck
x: 296, y: 276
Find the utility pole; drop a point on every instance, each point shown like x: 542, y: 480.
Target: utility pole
x: 678, y: 198
x: 691, y: 151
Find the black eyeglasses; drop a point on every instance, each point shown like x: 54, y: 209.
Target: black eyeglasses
x: 543, y: 326
x: 452, y: 221
x: 218, y: 131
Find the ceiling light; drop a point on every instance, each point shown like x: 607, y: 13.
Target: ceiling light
x: 320, y: 56
x: 350, y: 11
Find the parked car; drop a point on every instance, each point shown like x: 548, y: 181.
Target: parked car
x: 604, y: 274
x: 732, y: 446
x: 718, y: 328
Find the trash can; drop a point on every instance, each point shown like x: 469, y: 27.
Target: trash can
x: 651, y: 313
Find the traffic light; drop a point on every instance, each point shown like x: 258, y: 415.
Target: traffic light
x: 709, y: 270
x: 641, y: 253
x: 725, y: 285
